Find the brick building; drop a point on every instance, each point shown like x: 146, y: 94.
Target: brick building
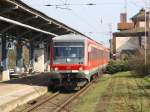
x: 131, y: 35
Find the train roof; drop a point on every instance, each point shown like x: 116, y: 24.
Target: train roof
x: 69, y: 38
x: 74, y: 38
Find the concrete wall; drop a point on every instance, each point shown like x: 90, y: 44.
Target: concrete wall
x: 143, y: 41
x: 39, y: 60
x: 127, y: 43
x: 47, y: 58
x: 142, y: 24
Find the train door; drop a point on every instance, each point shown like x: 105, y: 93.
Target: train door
x: 89, y: 56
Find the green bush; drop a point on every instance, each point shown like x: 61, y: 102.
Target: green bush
x: 115, y: 66
x: 137, y: 64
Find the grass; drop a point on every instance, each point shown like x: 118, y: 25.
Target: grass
x: 89, y: 102
x: 132, y: 94
x: 122, y: 92
x: 147, y: 78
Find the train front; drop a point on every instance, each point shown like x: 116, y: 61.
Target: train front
x: 68, y: 63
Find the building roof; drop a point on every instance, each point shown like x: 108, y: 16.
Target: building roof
x: 131, y: 32
x: 140, y: 16
x: 134, y: 31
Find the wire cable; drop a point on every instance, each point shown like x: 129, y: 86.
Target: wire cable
x: 81, y: 18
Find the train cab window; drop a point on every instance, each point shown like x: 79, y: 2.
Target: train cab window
x: 64, y: 50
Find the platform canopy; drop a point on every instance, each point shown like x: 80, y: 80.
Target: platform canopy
x: 20, y: 21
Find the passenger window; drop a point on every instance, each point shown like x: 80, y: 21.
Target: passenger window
x: 88, y: 56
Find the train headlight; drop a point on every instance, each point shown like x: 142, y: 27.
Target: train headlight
x: 56, y: 69
x: 80, y: 68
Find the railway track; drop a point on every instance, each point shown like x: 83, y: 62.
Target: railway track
x: 63, y: 106
x: 35, y: 104
x: 57, y: 102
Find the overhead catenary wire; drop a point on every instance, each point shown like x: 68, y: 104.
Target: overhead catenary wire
x: 64, y: 3
x: 84, y: 20
x: 145, y: 2
x: 93, y: 32
x: 85, y: 4
x: 80, y: 18
x: 93, y: 28
x: 67, y: 6
x: 125, y: 6
x: 77, y: 16
x: 89, y: 17
x: 135, y: 4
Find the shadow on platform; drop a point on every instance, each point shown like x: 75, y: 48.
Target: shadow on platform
x: 40, y: 79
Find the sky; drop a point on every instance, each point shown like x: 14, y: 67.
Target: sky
x: 95, y: 21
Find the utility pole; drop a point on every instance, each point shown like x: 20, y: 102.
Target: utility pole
x: 110, y: 38
x: 148, y: 36
x: 147, y: 33
x: 110, y: 29
x: 145, y: 52
x: 125, y: 6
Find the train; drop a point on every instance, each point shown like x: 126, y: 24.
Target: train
x: 76, y: 60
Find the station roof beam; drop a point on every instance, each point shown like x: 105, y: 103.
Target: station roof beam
x: 22, y: 21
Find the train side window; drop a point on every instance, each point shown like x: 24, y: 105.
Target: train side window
x: 88, y: 56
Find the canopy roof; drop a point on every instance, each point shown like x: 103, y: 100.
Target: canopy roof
x: 20, y: 21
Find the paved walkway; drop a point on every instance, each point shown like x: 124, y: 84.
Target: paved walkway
x: 19, y: 91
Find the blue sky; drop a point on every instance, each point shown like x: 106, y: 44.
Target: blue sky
x: 93, y: 21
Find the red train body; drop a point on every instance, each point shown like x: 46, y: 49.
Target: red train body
x: 76, y: 60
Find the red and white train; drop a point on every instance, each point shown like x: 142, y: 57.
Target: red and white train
x: 76, y: 60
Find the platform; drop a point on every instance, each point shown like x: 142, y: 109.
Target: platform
x: 19, y: 91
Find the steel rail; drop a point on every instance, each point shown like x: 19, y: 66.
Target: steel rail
x: 71, y: 99
x: 41, y: 102
x: 60, y: 107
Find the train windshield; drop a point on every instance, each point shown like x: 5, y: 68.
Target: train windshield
x: 68, y: 52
